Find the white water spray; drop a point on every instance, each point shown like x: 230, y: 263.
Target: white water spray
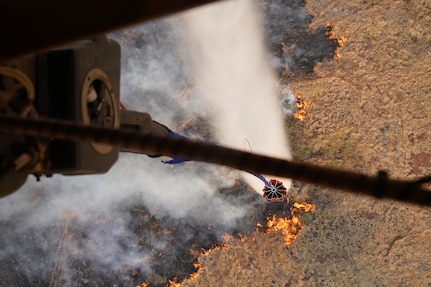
x: 233, y: 75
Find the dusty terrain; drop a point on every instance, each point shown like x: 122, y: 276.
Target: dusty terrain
x: 368, y: 111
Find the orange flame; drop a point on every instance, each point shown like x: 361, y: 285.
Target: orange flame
x: 306, y: 206
x: 341, y: 41
x: 302, y: 108
x: 193, y: 276
x: 173, y: 283
x: 330, y: 35
x: 289, y: 227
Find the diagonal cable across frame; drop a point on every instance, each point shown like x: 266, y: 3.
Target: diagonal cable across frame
x: 379, y: 186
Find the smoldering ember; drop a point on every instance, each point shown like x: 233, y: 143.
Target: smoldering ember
x: 145, y: 223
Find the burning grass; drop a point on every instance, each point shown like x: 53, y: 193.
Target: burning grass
x: 330, y: 35
x: 193, y: 276
x: 302, y: 107
x: 289, y: 226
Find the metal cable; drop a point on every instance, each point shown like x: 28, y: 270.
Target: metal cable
x: 379, y: 186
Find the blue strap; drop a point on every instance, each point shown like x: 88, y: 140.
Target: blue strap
x: 176, y: 160
x: 259, y: 176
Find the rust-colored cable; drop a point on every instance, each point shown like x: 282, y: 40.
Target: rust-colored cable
x: 379, y: 186
x: 122, y: 106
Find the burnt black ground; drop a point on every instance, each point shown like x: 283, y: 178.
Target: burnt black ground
x: 295, y: 46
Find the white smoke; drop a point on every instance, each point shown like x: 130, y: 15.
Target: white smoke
x: 98, y: 206
x: 233, y: 75
x: 287, y: 100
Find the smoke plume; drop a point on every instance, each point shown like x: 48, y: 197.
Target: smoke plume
x: 232, y: 71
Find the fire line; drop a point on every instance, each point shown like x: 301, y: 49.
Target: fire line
x: 330, y: 35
